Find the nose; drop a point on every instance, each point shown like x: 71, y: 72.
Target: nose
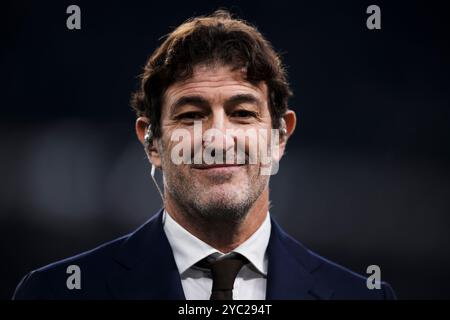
x: 216, y: 136
x: 215, y: 139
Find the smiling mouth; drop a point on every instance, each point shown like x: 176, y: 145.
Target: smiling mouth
x: 218, y: 167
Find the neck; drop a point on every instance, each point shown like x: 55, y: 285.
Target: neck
x: 222, y: 235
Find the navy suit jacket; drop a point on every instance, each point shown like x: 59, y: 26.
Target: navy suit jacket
x: 141, y: 266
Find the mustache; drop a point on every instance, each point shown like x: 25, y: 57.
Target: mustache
x: 238, y: 155
x: 221, y: 157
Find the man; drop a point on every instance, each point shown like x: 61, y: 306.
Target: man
x: 211, y: 80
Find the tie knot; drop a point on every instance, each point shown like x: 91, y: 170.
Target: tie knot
x: 224, y: 272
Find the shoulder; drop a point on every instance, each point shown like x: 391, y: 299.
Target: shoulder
x: 343, y: 282
x: 348, y: 284
x: 50, y: 282
x: 95, y: 268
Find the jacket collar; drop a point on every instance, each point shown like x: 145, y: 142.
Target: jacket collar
x: 291, y: 270
x: 146, y: 268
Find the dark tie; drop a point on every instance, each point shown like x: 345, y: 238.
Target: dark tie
x: 224, y: 272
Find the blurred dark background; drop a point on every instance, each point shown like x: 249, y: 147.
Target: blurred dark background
x: 366, y: 179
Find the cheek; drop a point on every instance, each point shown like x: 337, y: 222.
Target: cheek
x: 183, y: 145
x: 259, y: 145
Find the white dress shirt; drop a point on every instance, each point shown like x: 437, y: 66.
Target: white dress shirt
x: 251, y: 281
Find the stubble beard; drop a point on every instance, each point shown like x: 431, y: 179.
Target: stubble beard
x: 217, y: 202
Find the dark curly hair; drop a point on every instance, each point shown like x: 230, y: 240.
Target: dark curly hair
x: 217, y: 38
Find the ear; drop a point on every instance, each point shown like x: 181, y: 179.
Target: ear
x: 152, y: 151
x: 288, y: 122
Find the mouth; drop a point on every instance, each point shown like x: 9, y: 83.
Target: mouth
x: 218, y: 168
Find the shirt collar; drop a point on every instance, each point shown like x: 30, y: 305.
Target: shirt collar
x: 188, y: 249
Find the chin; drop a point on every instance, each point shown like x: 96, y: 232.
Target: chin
x: 222, y: 193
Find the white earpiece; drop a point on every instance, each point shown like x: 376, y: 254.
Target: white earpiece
x: 147, y: 142
x: 283, y: 130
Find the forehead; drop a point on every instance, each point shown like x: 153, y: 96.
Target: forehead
x: 215, y: 83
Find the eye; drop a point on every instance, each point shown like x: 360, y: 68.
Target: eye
x: 190, y: 116
x: 243, y: 114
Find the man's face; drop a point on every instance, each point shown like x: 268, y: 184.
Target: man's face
x: 218, y: 98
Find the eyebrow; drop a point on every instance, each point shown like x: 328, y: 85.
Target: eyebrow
x: 192, y: 100
x: 201, y: 102
x: 243, y: 98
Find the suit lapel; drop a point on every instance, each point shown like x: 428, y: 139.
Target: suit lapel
x: 291, y: 270
x: 145, y: 266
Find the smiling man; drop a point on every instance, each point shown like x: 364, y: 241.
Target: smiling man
x: 213, y: 100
